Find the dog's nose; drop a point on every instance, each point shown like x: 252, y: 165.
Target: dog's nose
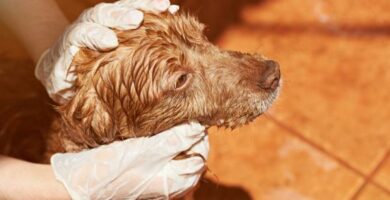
x: 271, y: 75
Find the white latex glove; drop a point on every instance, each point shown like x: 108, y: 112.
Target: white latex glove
x: 91, y: 30
x: 140, y: 168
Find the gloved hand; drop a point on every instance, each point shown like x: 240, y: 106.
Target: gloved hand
x: 91, y: 30
x: 139, y: 168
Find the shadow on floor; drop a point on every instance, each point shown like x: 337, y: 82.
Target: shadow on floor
x: 216, y: 14
x: 210, y: 190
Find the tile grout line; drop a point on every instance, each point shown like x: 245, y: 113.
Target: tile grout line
x: 295, y: 133
x: 306, y: 140
x: 369, y: 177
x: 384, y: 189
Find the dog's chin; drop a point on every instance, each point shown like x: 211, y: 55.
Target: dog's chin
x: 267, y: 100
x: 260, y: 104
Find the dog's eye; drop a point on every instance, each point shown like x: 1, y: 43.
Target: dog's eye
x: 181, y: 81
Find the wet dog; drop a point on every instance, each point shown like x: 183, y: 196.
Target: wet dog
x: 163, y: 74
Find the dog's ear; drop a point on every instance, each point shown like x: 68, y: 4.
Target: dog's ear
x: 87, y: 121
x: 88, y: 118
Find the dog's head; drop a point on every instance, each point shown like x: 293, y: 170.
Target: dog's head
x: 163, y: 74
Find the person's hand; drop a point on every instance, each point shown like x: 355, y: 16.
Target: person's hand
x: 91, y: 30
x: 139, y: 168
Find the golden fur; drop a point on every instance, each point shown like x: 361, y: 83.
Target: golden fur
x: 163, y: 74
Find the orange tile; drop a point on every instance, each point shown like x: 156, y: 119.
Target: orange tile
x: 334, y: 85
x: 268, y: 163
x: 383, y: 175
x: 371, y: 192
x: 347, y: 120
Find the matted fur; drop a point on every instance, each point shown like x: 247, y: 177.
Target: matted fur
x: 163, y: 74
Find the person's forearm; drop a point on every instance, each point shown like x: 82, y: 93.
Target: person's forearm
x: 24, y: 180
x: 37, y: 23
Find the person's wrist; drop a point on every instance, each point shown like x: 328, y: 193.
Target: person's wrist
x: 51, y: 188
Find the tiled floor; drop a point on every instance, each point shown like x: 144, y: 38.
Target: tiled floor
x: 383, y: 175
x: 328, y: 135
x: 333, y: 114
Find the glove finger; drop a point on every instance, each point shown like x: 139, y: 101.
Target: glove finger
x: 114, y: 16
x: 173, y: 9
x: 175, y: 178
x: 202, y: 148
x: 162, y: 148
x: 93, y: 36
x: 189, y: 183
x: 155, y: 6
x: 178, y: 139
x: 180, y: 184
x: 188, y: 166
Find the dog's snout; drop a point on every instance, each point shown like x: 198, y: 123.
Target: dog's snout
x: 270, y: 76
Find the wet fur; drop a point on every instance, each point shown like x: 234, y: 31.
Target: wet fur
x: 132, y: 90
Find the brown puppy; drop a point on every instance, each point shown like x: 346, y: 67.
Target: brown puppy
x: 163, y: 74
